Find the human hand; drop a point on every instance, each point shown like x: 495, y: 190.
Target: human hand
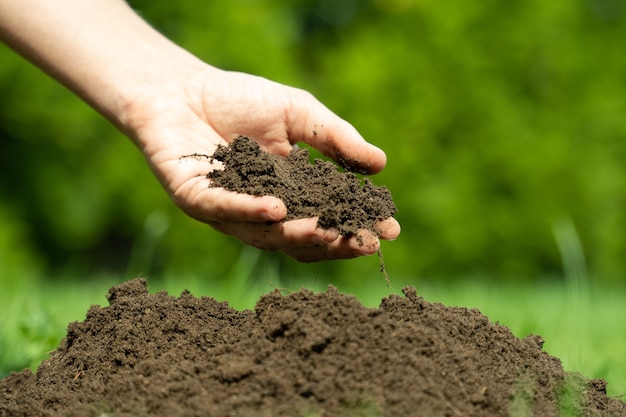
x: 193, y: 114
x: 172, y: 104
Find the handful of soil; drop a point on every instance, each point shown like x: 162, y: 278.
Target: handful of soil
x: 340, y: 199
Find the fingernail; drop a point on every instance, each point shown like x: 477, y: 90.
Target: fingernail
x: 274, y: 214
x: 270, y: 216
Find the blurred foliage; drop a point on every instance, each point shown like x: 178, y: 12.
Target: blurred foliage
x: 499, y: 119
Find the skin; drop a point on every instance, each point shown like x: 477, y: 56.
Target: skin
x: 172, y: 104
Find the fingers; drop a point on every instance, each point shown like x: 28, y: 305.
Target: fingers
x: 304, y: 241
x: 366, y: 243
x: 388, y: 229
x: 313, y: 123
x: 279, y: 235
x: 199, y: 200
x: 256, y: 221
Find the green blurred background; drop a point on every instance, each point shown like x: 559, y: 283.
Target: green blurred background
x: 503, y: 122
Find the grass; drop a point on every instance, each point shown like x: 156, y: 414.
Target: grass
x: 583, y: 327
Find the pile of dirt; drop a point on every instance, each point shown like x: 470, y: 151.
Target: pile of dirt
x: 299, y: 354
x: 341, y: 199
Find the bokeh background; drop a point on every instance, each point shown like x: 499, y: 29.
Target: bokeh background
x: 504, y: 124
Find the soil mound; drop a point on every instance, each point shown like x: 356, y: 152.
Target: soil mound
x: 300, y: 354
x: 340, y: 199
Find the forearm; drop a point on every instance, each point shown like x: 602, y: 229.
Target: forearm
x: 100, y: 49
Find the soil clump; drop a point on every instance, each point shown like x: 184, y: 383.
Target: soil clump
x: 341, y: 200
x: 299, y: 354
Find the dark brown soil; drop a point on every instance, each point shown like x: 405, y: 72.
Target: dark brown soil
x: 299, y: 354
x: 341, y: 199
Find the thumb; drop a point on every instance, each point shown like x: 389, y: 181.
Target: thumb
x: 313, y: 123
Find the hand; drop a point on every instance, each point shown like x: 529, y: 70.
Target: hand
x: 194, y: 113
x: 172, y: 105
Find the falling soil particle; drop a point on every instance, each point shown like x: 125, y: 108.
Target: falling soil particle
x: 341, y: 200
x: 299, y: 354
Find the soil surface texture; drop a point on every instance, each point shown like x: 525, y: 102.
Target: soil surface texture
x: 341, y: 199
x: 296, y: 354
